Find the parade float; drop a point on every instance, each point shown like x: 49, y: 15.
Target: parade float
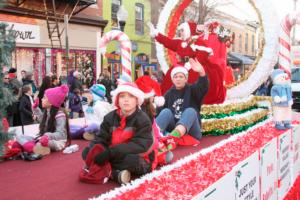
x: 257, y: 161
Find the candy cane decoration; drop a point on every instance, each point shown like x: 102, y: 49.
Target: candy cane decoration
x: 125, y: 49
x: 284, y: 41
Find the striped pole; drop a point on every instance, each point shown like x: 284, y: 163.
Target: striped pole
x: 125, y: 49
x: 285, y: 41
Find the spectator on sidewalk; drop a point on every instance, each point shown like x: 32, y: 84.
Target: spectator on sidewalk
x: 46, y: 84
x: 75, y: 104
x: 28, y: 81
x: 25, y: 107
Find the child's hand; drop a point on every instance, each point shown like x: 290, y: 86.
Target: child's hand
x: 44, y: 140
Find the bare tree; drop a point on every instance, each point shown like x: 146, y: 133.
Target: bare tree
x: 199, y: 11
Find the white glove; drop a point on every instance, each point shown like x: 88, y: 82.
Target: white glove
x: 290, y: 102
x: 277, y: 99
x: 153, y: 30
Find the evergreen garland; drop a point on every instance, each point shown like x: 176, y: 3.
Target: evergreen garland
x: 7, y: 45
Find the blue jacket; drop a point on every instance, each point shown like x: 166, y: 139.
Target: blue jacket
x: 281, y: 90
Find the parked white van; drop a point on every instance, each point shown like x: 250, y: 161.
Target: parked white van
x: 296, y: 86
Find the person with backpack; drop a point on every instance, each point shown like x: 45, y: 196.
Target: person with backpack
x: 124, y: 145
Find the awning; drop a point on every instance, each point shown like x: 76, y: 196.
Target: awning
x: 231, y: 60
x: 244, y: 59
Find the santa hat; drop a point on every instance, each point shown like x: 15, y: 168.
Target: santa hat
x: 179, y: 69
x: 151, y: 89
x: 98, y: 90
x: 130, y: 88
x: 277, y: 73
x: 57, y: 95
x: 190, y: 28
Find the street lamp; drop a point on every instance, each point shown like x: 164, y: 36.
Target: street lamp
x: 122, y: 16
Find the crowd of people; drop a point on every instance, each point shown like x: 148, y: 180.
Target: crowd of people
x: 132, y: 129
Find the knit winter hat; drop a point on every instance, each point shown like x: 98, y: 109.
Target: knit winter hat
x: 99, y: 90
x: 130, y: 88
x: 276, y: 73
x: 57, y: 95
x: 12, y: 70
x: 179, y: 69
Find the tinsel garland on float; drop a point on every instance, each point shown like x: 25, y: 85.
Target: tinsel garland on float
x: 231, y: 122
x: 194, y: 173
x: 235, y: 105
x: 233, y: 116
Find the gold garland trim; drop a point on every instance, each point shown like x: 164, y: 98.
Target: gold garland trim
x: 227, y: 108
x: 228, y: 124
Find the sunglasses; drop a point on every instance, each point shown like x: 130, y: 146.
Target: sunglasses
x: 6, y: 78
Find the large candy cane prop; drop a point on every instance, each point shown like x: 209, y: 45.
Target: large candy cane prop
x: 284, y: 41
x: 125, y: 49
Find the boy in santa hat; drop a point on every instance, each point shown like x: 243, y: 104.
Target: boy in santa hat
x: 204, y: 47
x: 126, y: 137
x: 181, y: 111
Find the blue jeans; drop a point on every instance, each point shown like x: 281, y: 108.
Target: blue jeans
x: 166, y: 121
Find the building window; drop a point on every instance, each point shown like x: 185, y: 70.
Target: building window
x: 246, y: 43
x: 252, y: 44
x: 115, y: 5
x: 240, y: 43
x: 139, y: 19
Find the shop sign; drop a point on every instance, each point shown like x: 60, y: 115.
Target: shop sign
x: 149, y: 67
x: 113, y: 58
x: 25, y: 33
x: 268, y: 170
x: 284, y: 164
x: 247, y: 178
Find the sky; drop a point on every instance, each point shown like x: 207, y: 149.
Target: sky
x: 243, y: 10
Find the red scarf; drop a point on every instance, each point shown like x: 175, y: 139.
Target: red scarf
x: 121, y: 135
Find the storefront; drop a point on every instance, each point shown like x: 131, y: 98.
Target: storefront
x: 113, y: 64
x: 141, y: 62
x: 80, y: 60
x: 33, y: 52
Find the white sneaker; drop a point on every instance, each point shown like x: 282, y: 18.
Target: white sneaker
x: 71, y: 149
x: 89, y: 136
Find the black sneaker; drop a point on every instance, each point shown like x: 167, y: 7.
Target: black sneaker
x: 122, y: 177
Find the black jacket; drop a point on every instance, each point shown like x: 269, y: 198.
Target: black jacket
x: 189, y: 96
x: 25, y: 108
x: 141, y: 141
